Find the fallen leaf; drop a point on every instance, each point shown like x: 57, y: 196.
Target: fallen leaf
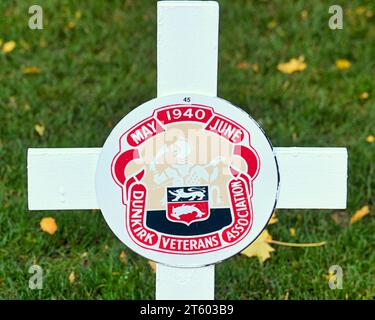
x: 370, y: 138
x: 72, y: 277
x: 39, y: 128
x: 246, y: 65
x: 286, y: 296
x: 364, y: 211
x: 260, y: 247
x: 293, y: 65
x: 340, y: 218
x: 343, y: 64
x: 304, y: 14
x: 255, y: 67
x: 85, y: 259
x: 364, y: 96
x: 243, y: 65
x: 9, y: 46
x: 329, y: 275
x: 292, y: 232
x: 152, y: 265
x: 48, y: 225
x: 26, y: 106
x: 122, y: 256
x: 31, y: 70
x: 360, y: 10
x: 273, y: 219
x: 71, y: 25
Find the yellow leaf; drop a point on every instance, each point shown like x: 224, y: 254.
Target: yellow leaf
x: 30, y: 70
x: 71, y: 25
x: 78, y: 14
x: 343, y: 64
x: 48, y: 225
x: 72, y: 277
x: 260, y: 247
x: 255, y: 67
x: 292, y: 232
x: 39, y: 128
x: 364, y: 96
x: 122, y: 256
x: 304, y: 14
x: 370, y: 138
x: 293, y: 65
x: 26, y: 107
x: 152, y: 265
x: 329, y: 275
x: 273, y: 219
x: 360, y: 10
x: 9, y: 46
x: 364, y: 211
x: 286, y: 296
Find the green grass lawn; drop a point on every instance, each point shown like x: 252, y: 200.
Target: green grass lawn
x: 97, y: 70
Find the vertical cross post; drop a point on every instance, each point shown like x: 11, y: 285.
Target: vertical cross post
x: 187, y: 54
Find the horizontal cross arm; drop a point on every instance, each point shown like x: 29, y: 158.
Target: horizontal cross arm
x: 64, y: 178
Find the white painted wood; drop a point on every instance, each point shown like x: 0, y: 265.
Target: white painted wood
x: 309, y: 178
x: 187, y: 47
x: 187, y: 61
x: 312, y: 178
x: 60, y: 178
x: 185, y: 283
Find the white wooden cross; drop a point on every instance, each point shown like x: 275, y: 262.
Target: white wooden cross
x: 187, y: 61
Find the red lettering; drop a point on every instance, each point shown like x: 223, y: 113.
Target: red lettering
x: 136, y: 216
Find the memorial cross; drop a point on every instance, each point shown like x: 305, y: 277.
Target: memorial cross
x: 187, y: 61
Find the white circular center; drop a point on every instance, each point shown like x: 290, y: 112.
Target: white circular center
x: 187, y: 184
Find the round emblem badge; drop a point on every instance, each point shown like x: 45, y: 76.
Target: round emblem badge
x: 187, y: 180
